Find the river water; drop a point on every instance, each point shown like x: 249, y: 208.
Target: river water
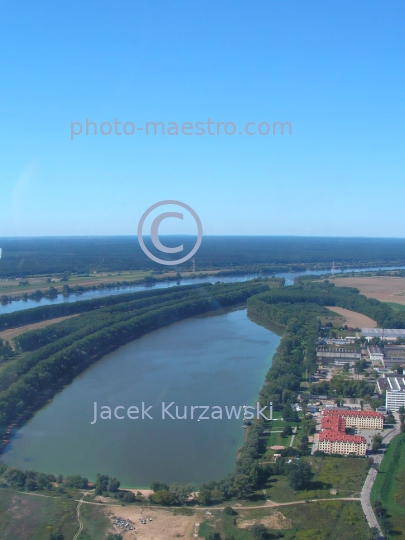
x: 211, y: 360
x: 288, y: 276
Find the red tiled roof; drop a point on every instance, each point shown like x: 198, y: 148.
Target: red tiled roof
x: 343, y: 412
x: 333, y: 422
x: 335, y: 436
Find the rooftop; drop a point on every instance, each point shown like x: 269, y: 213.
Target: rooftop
x: 374, y: 349
x: 395, y: 384
x: 383, y: 332
x: 336, y: 436
x: 345, y: 412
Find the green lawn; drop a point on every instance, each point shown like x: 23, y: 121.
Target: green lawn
x: 275, y: 438
x: 389, y: 487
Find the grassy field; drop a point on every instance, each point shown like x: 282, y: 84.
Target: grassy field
x: 389, y: 487
x: 95, y: 522
x: 323, y: 520
x: 29, y: 517
x: 346, y: 475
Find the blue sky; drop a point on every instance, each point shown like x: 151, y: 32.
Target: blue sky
x: 334, y: 70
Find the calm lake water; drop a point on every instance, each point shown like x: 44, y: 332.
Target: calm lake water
x: 288, y: 276
x: 213, y: 360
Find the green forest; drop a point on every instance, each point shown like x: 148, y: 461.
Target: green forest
x: 33, y: 256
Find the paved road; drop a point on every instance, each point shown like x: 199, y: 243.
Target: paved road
x: 293, y: 437
x: 372, y: 475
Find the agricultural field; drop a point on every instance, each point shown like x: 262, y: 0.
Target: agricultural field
x: 383, y: 288
x: 352, y: 318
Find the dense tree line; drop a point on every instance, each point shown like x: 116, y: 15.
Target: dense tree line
x: 38, y: 376
x: 61, y: 335
x: 327, y: 294
x: 29, y: 256
x: 43, y: 313
x: 88, y: 323
x: 340, y: 386
x: 5, y: 350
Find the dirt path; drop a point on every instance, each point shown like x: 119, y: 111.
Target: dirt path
x: 78, y: 518
x: 163, y: 523
x: 354, y: 319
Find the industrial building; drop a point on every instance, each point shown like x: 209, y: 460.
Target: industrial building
x: 390, y: 334
x: 338, y: 356
x: 394, y: 355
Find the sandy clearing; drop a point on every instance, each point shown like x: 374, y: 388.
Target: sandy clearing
x: 13, y: 332
x: 385, y: 289
x: 354, y: 319
x: 165, y: 524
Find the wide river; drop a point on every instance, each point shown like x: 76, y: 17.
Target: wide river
x: 211, y: 360
x: 99, y: 293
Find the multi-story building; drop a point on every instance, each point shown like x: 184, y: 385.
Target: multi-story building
x: 358, y: 419
x: 394, y: 388
x: 334, y: 440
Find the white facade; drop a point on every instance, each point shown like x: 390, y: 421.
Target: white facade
x: 394, y: 399
x: 342, y: 447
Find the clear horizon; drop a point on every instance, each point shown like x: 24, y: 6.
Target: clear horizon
x: 334, y: 71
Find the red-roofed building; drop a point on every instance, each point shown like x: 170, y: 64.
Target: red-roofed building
x: 333, y: 438
x: 359, y: 419
x: 336, y: 442
x: 337, y: 423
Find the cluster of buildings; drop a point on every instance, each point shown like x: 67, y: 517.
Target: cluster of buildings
x: 389, y: 356
x: 327, y: 355
x: 333, y: 438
